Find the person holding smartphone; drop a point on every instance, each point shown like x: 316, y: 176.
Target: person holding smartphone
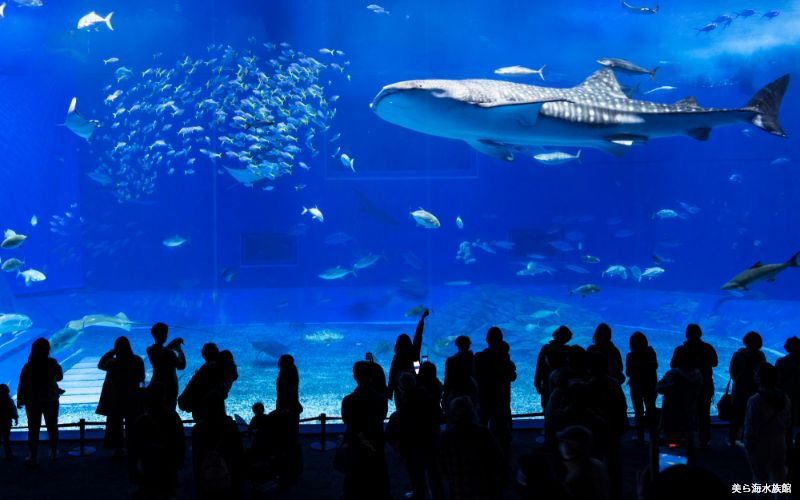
x: 166, y: 361
x: 406, y: 353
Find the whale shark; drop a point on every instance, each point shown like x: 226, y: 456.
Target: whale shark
x: 499, y: 118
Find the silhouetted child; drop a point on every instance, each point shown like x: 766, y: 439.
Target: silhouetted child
x: 259, y: 420
x: 8, y: 412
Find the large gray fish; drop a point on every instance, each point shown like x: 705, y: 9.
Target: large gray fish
x: 497, y: 117
x: 759, y: 272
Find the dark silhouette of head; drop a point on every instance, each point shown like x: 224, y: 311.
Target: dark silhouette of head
x: 461, y: 413
x: 4, y: 391
x: 575, y: 443
x: 792, y: 345
x: 361, y: 373
x: 427, y: 371
x: 122, y: 347
x: 637, y: 342
x: 681, y: 359
x: 562, y: 335
x: 286, y: 361
x: 767, y: 376
x: 40, y: 349
x: 693, y: 332
x: 752, y: 341
x: 602, y: 334
x: 226, y: 358
x: 690, y: 482
x: 494, y: 336
x: 159, y: 332
x: 209, y: 352
x: 463, y: 343
x: 403, y: 345
x: 258, y: 408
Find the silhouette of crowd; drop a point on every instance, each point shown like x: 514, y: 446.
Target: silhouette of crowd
x: 453, y: 436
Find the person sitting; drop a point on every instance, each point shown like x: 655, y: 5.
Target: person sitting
x: 586, y: 478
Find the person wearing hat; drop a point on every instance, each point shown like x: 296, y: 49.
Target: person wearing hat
x: 586, y: 477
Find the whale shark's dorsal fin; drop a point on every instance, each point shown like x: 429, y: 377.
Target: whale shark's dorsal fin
x: 603, y: 82
x: 757, y: 264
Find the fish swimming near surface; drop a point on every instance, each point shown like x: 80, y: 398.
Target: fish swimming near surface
x: 557, y: 157
x: 498, y: 118
x: 81, y: 126
x: 627, y: 67
x: 520, y: 71
x: 638, y: 10
x: 335, y: 273
x: 92, y: 19
x: 759, y: 272
x: 10, y: 322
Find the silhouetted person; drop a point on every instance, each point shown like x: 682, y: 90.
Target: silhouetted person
x: 641, y: 367
x: 428, y: 381
x: 495, y: 372
x: 38, y: 393
x: 377, y: 375
x: 218, y: 459
x: 207, y: 378
x: 228, y: 371
x: 363, y: 413
x: 607, y: 403
x: 586, y: 478
x: 8, y: 414
x: 789, y: 377
x: 419, y: 416
x: 544, y: 365
x: 601, y: 343
x: 681, y: 387
x: 157, y: 446
x: 767, y: 421
x: 259, y: 420
x: 744, y: 363
x: 472, y: 462
x: 538, y: 478
x: 120, y: 398
x: 700, y: 355
x: 166, y: 360
x: 459, y: 373
x: 405, y: 353
x: 288, y: 410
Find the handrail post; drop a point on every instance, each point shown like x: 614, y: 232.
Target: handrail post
x: 323, y: 431
x: 83, y: 436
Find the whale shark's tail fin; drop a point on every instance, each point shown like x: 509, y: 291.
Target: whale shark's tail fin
x: 766, y: 103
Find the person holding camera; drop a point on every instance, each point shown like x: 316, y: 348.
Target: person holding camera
x: 166, y: 361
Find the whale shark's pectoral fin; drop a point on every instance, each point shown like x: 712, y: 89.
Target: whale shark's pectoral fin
x: 492, y: 148
x: 700, y: 133
x: 618, y: 145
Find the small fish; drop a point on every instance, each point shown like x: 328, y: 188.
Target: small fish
x: 779, y: 160
x: 707, y: 28
x: 459, y: 222
x: 745, y: 13
x: 652, y: 272
x: 638, y: 9
x: 12, y: 264
x: 723, y: 19
x: 348, y: 162
x: 315, y: 212
x: 627, y: 67
x: 377, y: 9
x: 113, y: 97
x: 584, y: 290
x: 32, y: 276
x: 92, y: 19
x: 735, y: 178
x: 590, y: 259
x: 576, y: 269
x: 689, y: 208
x: 771, y: 14
x: 425, y: 219
x: 335, y: 273
x: 367, y: 261
x: 663, y: 88
x: 175, y: 241
x: 557, y: 157
x: 111, y: 60
x: 519, y: 71
x: 34, y: 221
x: 12, y: 239
x: 616, y: 270
x: 666, y: 213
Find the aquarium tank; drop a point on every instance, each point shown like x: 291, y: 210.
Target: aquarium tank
x: 308, y: 176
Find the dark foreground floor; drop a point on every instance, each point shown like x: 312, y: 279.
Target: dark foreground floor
x: 100, y: 476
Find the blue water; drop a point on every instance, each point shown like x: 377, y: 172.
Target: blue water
x: 252, y: 261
